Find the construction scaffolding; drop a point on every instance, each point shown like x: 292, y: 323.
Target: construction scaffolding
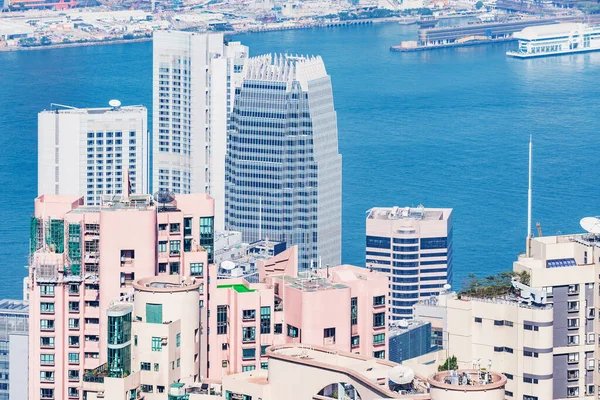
x: 74, y: 249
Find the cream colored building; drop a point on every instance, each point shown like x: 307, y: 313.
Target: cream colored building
x: 156, y: 340
x: 314, y: 372
x: 546, y: 346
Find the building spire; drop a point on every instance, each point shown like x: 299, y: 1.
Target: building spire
x: 528, y: 250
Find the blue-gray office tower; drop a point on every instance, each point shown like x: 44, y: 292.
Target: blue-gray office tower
x: 283, y: 169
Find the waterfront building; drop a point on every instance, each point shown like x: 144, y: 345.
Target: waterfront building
x: 85, y: 257
x: 409, y: 339
x: 89, y: 151
x: 194, y: 76
x: 541, y: 336
x: 304, y: 372
x: 413, y: 246
x: 556, y: 39
x: 14, y: 329
x: 247, y: 318
x: 283, y: 168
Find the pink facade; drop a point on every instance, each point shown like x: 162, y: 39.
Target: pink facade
x: 84, y: 258
x: 334, y: 308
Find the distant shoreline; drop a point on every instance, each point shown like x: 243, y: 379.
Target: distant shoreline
x: 255, y: 30
x: 82, y: 44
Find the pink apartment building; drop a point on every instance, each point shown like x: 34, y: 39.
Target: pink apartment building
x: 85, y: 261
x: 84, y: 258
x: 342, y: 308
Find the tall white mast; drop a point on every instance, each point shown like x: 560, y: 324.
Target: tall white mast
x: 528, y: 252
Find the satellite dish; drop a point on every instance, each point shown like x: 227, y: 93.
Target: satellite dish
x: 447, y: 287
x: 591, y: 225
x: 401, y: 375
x: 114, y: 103
x: 227, y: 265
x: 163, y: 196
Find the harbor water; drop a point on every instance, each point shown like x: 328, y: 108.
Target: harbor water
x: 445, y: 128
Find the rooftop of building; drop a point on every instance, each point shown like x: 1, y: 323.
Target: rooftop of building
x: 166, y: 284
x: 64, y: 109
x: 403, y: 326
x: 413, y: 213
x: 14, y: 306
x: 310, y: 284
x: 238, y: 287
x: 348, y: 273
x: 467, y: 380
x: 548, y: 31
x: 119, y: 202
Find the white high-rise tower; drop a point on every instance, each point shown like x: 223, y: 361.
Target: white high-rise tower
x: 193, y: 84
x: 88, y: 151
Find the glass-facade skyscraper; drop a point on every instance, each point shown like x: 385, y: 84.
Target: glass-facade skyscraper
x: 283, y: 169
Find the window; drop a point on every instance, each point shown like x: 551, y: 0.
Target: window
x: 156, y: 367
x: 378, y: 320
x: 263, y: 349
x: 221, y: 320
x: 526, y: 397
x: 508, y: 350
x: 249, y: 354
x: 73, y: 392
x: 265, y: 319
x: 174, y: 267
x: 498, y: 349
x: 145, y: 366
x: 573, y: 357
x: 508, y: 323
x: 74, y: 375
x: 478, y: 320
x: 74, y: 306
x: 292, y: 331
x: 46, y: 393
x: 196, y: 269
x: 178, y: 362
x: 264, y: 365
x: 162, y: 227
x: 572, y: 374
x: 46, y: 290
x: 74, y: 341
x: 178, y: 340
x: 156, y: 346
x: 248, y: 315
x: 248, y: 334
x: 530, y: 380
x: 160, y: 389
x: 573, y: 323
x: 162, y: 246
x: 47, y: 376
x: 329, y: 336
x: 174, y: 228
x: 73, y: 323
x: 246, y: 368
x: 573, y: 340
x: 355, y: 341
x: 175, y: 246
x: 379, y: 354
x: 434, y: 243
x: 154, y: 313
x: 47, y: 324
x: 47, y: 359
x: 146, y: 388
x: 379, y: 338
x: 498, y: 323
x: 73, y: 358
x: 573, y: 391
x: 47, y: 308
x: 162, y: 267
x: 509, y: 376
x: 354, y: 311
x: 46, y: 342
x: 278, y: 329
x: 378, y: 242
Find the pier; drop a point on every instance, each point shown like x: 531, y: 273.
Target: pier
x: 468, y: 35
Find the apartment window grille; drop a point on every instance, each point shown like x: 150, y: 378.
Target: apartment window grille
x: 222, y: 320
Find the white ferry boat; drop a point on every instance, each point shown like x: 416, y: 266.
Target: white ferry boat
x: 557, y: 39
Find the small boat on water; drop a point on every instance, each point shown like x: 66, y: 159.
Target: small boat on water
x: 556, y: 39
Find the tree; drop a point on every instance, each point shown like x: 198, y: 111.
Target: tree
x: 450, y: 364
x: 479, y: 4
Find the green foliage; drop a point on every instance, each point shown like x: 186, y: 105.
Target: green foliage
x: 450, y: 364
x: 589, y: 7
x: 493, y: 285
x: 479, y: 4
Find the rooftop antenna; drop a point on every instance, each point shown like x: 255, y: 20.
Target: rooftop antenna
x: 528, y: 241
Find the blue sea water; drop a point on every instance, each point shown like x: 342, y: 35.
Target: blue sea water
x: 446, y: 128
